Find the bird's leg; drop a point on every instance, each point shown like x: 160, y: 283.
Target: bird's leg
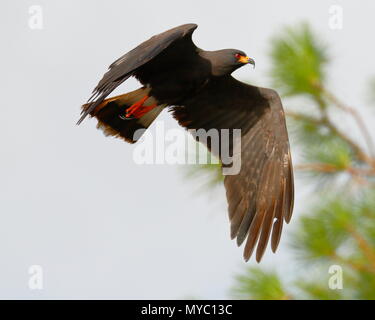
x: 129, y: 111
x: 143, y: 110
x: 137, y: 109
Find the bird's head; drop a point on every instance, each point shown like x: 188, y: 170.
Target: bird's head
x: 226, y: 61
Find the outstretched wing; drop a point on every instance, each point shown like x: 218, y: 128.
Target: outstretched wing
x: 260, y: 197
x: 127, y: 65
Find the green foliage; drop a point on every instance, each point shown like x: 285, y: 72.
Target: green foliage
x: 260, y: 285
x: 317, y: 290
x: 324, y: 231
x: 298, y: 62
x: 333, y: 152
x: 305, y: 129
x: 327, y: 162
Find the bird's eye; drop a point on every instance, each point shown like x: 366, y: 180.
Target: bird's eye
x: 237, y: 55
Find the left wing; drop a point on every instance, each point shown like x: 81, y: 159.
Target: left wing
x: 127, y: 65
x: 260, y: 197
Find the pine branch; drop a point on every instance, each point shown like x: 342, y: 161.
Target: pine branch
x: 326, y: 122
x: 356, y: 116
x: 359, y: 174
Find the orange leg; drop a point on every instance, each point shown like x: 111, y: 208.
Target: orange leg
x: 140, y: 112
x: 137, y: 110
x: 134, y: 107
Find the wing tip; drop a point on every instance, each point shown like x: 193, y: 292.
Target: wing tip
x: 81, y: 119
x: 86, y: 109
x: 191, y: 26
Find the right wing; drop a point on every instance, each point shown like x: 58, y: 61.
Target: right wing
x: 261, y: 195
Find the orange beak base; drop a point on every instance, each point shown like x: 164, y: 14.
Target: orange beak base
x: 246, y: 60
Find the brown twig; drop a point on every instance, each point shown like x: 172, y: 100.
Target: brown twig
x: 357, y: 174
x: 326, y: 167
x: 363, y: 245
x: 354, y: 113
x: 351, y: 264
x: 357, y: 117
x: 325, y: 121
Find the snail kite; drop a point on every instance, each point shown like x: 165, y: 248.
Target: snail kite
x: 198, y: 87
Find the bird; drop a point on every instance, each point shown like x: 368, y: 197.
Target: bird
x: 198, y: 88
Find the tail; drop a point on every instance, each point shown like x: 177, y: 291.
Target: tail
x: 111, y: 111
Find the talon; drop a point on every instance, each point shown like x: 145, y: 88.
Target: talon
x: 126, y: 117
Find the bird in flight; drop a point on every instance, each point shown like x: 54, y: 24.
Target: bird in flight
x: 201, y: 93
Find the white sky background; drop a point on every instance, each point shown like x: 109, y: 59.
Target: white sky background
x: 75, y: 203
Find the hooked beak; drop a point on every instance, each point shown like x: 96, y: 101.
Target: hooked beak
x: 246, y: 60
x: 251, y: 61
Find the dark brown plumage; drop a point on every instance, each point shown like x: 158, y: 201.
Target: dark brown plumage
x: 198, y: 86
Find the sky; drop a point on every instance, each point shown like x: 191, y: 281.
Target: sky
x: 74, y: 202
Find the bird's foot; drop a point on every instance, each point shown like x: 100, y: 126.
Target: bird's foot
x: 126, y: 117
x: 137, y: 110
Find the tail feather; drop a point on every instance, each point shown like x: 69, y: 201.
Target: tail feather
x: 109, y: 111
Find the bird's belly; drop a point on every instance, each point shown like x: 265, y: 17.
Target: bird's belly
x: 171, y: 88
